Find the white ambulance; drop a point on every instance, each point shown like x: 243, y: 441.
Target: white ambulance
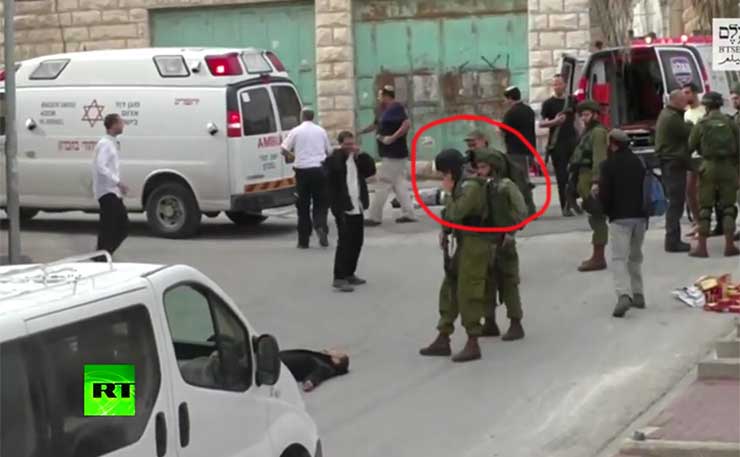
x: 205, y: 383
x: 203, y: 132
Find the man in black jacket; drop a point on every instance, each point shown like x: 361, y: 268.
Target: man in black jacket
x: 620, y: 191
x: 347, y: 170
x: 522, y: 118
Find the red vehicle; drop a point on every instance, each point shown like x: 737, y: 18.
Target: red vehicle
x: 632, y: 85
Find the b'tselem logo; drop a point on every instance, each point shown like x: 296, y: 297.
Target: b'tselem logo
x: 110, y: 390
x: 681, y: 69
x: 93, y: 113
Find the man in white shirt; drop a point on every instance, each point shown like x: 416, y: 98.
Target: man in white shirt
x: 108, y: 188
x: 308, y: 146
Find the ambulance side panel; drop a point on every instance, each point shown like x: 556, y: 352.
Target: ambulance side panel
x: 165, y: 132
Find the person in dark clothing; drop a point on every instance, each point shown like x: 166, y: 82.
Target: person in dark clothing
x: 620, y: 192
x: 672, y: 147
x: 311, y: 368
x: 347, y: 170
x: 558, y: 113
x: 521, y: 118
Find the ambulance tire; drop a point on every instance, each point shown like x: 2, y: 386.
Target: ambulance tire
x: 186, y: 223
x: 26, y: 214
x: 243, y: 219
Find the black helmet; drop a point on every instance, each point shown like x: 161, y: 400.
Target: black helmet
x: 712, y: 100
x: 450, y: 161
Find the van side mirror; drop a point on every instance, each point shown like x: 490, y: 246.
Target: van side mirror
x: 268, y: 360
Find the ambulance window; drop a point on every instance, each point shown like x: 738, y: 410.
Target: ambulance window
x: 680, y: 68
x: 171, y: 66
x: 257, y: 112
x: 49, y: 69
x: 289, y: 107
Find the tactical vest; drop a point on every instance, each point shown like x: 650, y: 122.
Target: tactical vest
x: 499, y: 213
x: 584, y: 153
x: 718, y: 138
x: 474, y: 220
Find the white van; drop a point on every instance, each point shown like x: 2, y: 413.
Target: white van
x: 632, y: 85
x: 205, y: 383
x: 203, y: 132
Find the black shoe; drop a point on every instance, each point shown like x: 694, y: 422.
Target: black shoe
x: 371, y: 223
x: 342, y: 285
x: 638, y: 301
x: 623, y: 305
x: 355, y: 281
x: 323, y: 237
x: 302, y: 245
x: 405, y: 220
x: 567, y: 212
x: 679, y: 246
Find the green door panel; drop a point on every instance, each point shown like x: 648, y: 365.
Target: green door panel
x: 444, y: 57
x: 287, y: 30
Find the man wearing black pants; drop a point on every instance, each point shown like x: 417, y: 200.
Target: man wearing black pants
x: 308, y: 146
x: 108, y: 188
x: 347, y: 171
x: 558, y: 114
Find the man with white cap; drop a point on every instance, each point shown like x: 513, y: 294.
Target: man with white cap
x: 621, y: 194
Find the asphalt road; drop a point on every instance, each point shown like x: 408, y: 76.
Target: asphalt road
x: 577, y: 380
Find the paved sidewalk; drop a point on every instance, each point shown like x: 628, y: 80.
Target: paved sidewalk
x: 703, y: 420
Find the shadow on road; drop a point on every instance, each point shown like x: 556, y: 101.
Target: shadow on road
x: 209, y: 230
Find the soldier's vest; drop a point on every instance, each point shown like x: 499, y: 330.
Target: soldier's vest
x: 499, y: 212
x: 474, y: 220
x: 718, y: 139
x: 584, y: 153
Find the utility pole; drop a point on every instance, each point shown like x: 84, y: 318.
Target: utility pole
x: 12, y: 204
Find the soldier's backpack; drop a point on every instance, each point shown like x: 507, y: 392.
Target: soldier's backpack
x: 496, y: 198
x: 718, y: 139
x: 519, y: 177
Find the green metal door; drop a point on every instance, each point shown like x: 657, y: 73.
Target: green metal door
x: 444, y: 57
x: 288, y: 30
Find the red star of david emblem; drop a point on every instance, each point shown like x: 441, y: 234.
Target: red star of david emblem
x: 97, y: 113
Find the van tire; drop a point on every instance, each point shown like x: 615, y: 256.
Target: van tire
x: 168, y: 198
x: 245, y: 219
x: 26, y: 214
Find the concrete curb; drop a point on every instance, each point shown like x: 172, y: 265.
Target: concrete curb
x: 720, y: 368
x: 664, y: 448
x: 729, y: 348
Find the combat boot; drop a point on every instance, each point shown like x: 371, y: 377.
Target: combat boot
x: 471, y: 351
x: 596, y: 262
x: 490, y: 328
x: 730, y: 249
x: 700, y: 248
x: 515, y: 332
x: 439, y: 347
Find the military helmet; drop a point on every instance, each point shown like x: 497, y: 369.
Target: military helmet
x: 712, y: 99
x: 492, y: 158
x: 450, y: 161
x: 588, y: 105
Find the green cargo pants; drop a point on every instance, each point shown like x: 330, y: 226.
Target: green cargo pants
x: 464, y: 289
x: 504, y: 274
x: 596, y: 219
x: 718, y: 178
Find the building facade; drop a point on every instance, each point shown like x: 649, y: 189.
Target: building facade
x: 444, y: 57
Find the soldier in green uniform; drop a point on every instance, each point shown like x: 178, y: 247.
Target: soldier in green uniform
x: 506, y: 207
x: 735, y: 97
x: 464, y: 289
x: 717, y: 139
x: 586, y: 162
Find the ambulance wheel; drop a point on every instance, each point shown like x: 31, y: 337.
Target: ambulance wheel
x: 245, y: 219
x: 172, y: 211
x: 26, y: 214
